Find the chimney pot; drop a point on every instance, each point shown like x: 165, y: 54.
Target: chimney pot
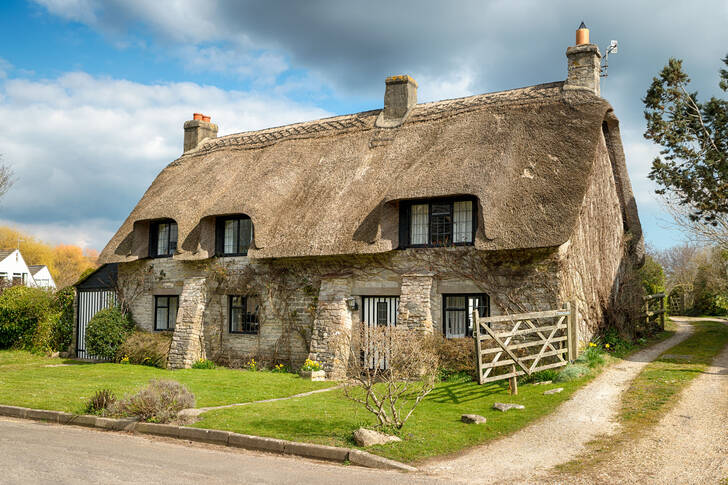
x: 197, y: 130
x: 400, y: 96
x: 584, y: 63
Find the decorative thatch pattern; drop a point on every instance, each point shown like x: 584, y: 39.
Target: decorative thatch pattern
x: 331, y: 186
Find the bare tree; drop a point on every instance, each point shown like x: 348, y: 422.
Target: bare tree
x: 714, y: 233
x: 6, y: 178
x: 391, y: 369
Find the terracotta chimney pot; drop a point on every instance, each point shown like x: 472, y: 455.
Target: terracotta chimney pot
x: 582, y: 35
x: 205, y: 118
x: 197, y: 116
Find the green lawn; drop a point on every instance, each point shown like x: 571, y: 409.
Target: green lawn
x: 26, y: 381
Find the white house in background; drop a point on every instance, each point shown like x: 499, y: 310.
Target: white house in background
x: 42, y: 276
x: 13, y: 268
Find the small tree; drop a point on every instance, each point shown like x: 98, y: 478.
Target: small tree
x: 391, y: 369
x: 6, y: 178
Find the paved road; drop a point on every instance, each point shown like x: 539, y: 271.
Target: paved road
x: 33, y: 452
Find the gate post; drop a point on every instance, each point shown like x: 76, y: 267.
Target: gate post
x: 572, y: 331
x: 478, y: 354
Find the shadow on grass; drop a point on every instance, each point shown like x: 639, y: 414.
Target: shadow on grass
x: 462, y: 391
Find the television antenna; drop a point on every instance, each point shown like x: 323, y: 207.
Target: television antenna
x: 612, y: 49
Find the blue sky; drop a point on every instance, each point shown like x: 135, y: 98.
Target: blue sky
x: 94, y: 94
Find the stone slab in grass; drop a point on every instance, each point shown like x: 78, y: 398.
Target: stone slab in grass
x: 554, y: 391
x: 542, y: 383
x: 472, y: 419
x: 501, y: 406
x: 368, y: 437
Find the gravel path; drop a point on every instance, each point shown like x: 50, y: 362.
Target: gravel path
x: 688, y: 446
x: 558, y: 437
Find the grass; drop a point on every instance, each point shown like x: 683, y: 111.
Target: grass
x: 656, y: 390
x: 25, y: 381
x: 434, y: 429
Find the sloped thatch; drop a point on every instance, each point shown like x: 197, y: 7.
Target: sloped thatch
x: 331, y: 186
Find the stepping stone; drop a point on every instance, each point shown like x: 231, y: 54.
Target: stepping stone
x: 368, y: 437
x: 677, y: 357
x: 541, y: 383
x: 472, y: 419
x: 506, y: 406
x: 554, y: 391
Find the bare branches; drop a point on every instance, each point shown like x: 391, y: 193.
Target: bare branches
x: 6, y: 178
x: 391, y: 369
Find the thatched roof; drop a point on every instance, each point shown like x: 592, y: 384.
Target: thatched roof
x: 330, y: 186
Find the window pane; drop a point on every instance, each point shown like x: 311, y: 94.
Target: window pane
x: 418, y: 224
x: 382, y: 309
x: 230, y: 235
x: 163, y: 239
x: 173, y: 301
x: 440, y: 225
x: 162, y: 318
x: 172, y: 238
x: 235, y: 320
x: 463, y: 221
x: 245, y: 235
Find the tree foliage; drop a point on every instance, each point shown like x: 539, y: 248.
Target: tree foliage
x: 693, y: 166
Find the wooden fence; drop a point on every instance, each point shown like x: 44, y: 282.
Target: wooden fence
x: 509, y: 346
x: 654, y: 312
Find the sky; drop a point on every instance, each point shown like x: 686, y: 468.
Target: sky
x: 93, y: 94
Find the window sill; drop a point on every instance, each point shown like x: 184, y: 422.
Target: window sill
x: 243, y: 333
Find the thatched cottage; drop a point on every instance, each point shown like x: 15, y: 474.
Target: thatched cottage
x: 272, y: 243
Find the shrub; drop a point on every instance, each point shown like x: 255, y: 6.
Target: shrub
x: 21, y: 309
x: 572, y: 372
x: 43, y: 337
x: 540, y: 376
x: 100, y: 402
x: 159, y: 402
x: 62, y: 331
x: 457, y: 357
x: 204, y: 364
x: 106, y: 332
x: 145, y: 348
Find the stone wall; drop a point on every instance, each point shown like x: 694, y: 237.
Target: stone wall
x: 187, y: 345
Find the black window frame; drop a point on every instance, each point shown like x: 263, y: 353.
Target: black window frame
x: 154, y: 238
x: 157, y: 306
x: 243, y: 308
x: 220, y: 235
x: 405, y: 217
x: 484, y: 310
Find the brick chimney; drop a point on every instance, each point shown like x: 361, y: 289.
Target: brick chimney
x: 400, y: 96
x: 584, y: 63
x: 197, y: 129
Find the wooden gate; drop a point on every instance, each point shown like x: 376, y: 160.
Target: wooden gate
x: 654, y: 312
x: 509, y: 346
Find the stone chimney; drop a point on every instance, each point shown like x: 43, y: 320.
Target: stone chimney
x: 584, y: 63
x: 400, y: 96
x: 197, y: 129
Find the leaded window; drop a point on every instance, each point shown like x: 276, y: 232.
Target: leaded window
x: 165, y: 312
x: 441, y: 222
x: 163, y: 239
x: 234, y: 235
x: 458, y: 313
x: 243, y: 311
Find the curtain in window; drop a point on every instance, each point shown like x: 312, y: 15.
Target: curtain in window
x: 419, y: 223
x: 456, y: 317
x: 230, y: 233
x: 162, y: 313
x: 172, y: 313
x: 163, y: 239
x: 463, y: 221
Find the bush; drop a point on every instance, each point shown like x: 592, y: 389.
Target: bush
x: 145, y: 348
x: 457, y: 358
x: 62, y: 331
x: 106, y: 332
x: 43, y: 337
x: 572, y: 372
x: 100, y: 402
x: 540, y: 376
x: 592, y: 357
x: 21, y: 309
x: 159, y: 402
x: 204, y: 364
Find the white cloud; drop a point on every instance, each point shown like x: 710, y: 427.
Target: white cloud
x: 436, y: 88
x: 85, y: 148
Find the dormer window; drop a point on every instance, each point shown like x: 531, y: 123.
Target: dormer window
x: 162, y: 239
x: 234, y: 235
x: 437, y: 222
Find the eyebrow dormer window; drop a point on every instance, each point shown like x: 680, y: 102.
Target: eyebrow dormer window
x: 234, y: 235
x: 163, y: 239
x: 437, y: 222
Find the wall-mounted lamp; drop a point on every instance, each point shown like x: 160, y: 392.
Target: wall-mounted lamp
x: 352, y: 303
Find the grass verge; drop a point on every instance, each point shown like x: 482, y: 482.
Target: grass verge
x: 656, y: 390
x: 25, y: 380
